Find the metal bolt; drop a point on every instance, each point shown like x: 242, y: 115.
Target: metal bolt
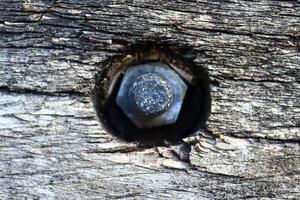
x: 151, y: 95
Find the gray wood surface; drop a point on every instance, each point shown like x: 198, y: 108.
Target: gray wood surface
x: 52, y: 145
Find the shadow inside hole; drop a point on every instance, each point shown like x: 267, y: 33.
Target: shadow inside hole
x: 192, y: 117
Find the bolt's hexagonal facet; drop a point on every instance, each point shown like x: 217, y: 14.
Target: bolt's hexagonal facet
x: 151, y: 95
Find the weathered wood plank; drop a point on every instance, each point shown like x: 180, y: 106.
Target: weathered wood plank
x: 61, y: 53
x: 52, y: 145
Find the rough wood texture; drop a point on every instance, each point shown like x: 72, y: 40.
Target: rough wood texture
x: 53, y: 147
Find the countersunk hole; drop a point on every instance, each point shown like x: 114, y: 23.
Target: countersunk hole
x: 194, y: 112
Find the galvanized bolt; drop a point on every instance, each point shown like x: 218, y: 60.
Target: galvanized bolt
x: 151, y: 95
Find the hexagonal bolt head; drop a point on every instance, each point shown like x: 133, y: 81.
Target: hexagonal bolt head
x: 151, y: 95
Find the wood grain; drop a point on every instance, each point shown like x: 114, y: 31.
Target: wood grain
x: 52, y: 146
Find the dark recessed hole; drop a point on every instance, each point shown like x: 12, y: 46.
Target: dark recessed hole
x: 194, y: 111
